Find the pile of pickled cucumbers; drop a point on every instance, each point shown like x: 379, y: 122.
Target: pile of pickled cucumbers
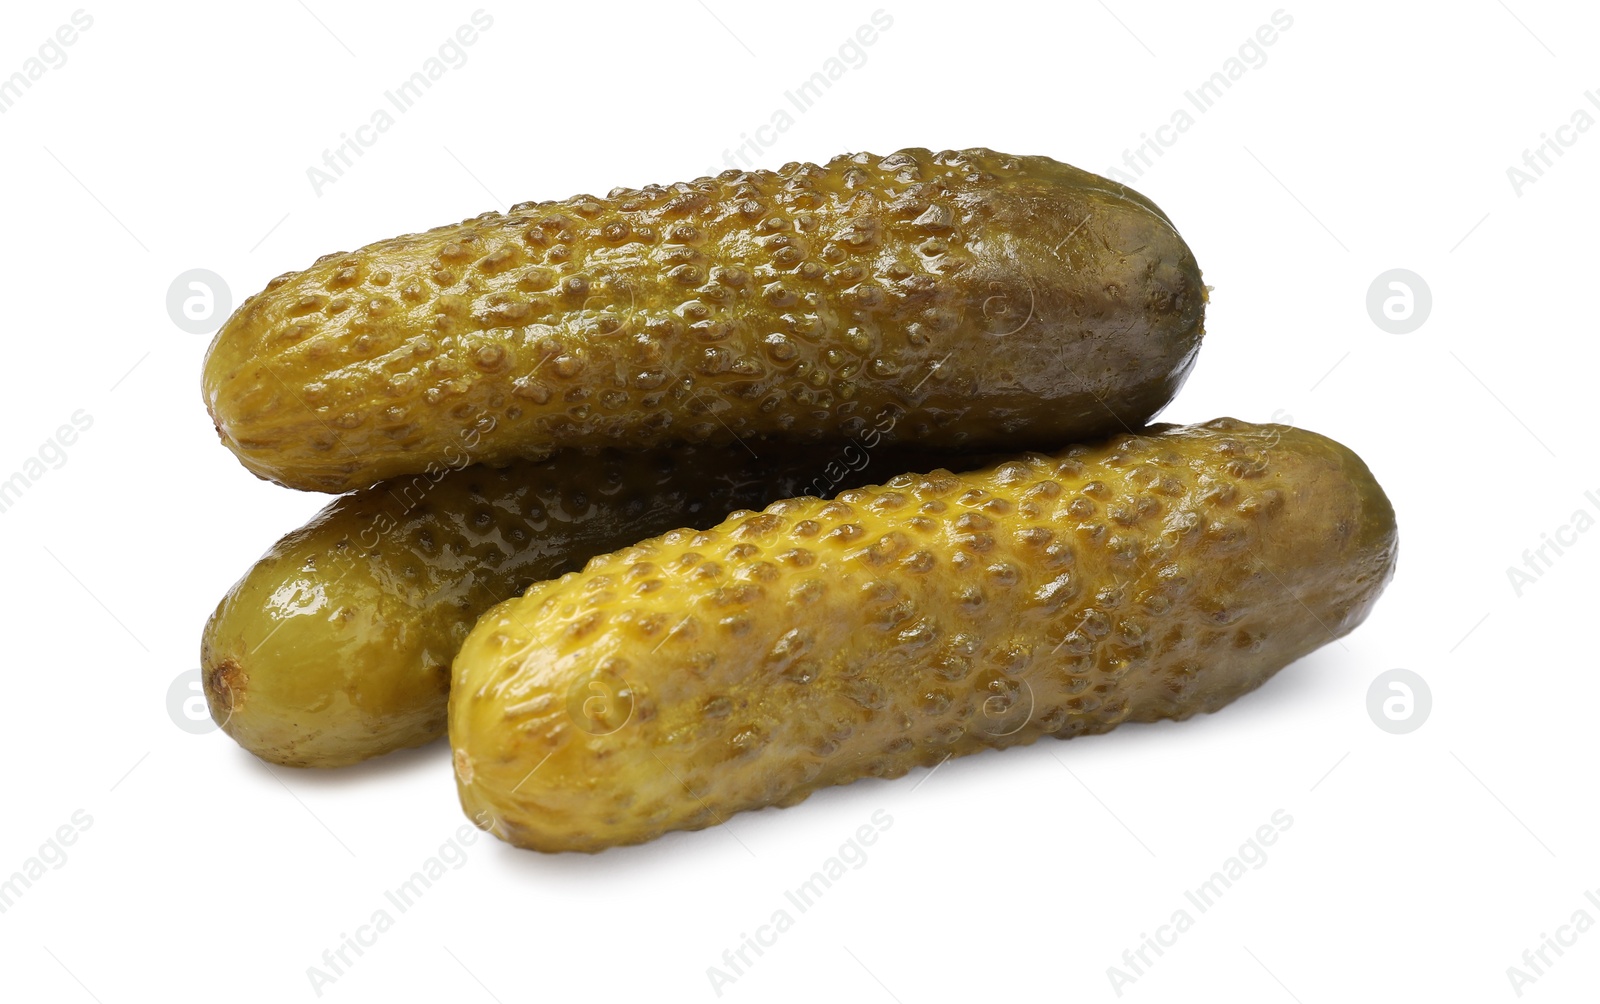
x: 697, y: 498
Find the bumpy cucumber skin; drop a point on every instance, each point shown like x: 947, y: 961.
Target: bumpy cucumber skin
x: 979, y: 300
x: 674, y: 683
x: 336, y: 645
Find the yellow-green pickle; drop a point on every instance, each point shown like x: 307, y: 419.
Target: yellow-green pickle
x: 336, y: 645
x: 671, y: 684
x: 964, y: 300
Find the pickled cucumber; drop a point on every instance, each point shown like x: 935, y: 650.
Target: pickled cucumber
x: 671, y: 684
x: 965, y: 300
x: 336, y: 645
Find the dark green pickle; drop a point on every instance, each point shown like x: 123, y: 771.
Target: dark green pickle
x: 336, y: 646
x: 964, y: 300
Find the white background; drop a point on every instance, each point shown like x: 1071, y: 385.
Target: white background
x: 1374, y: 136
